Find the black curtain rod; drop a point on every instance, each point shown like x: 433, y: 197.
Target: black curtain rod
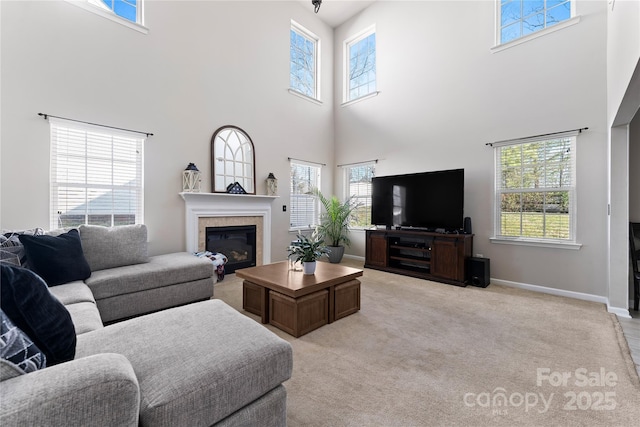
x: 315, y: 163
x: 357, y: 163
x: 46, y: 116
x: 579, y: 130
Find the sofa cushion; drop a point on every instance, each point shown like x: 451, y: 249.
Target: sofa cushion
x: 108, y: 247
x: 85, y: 317
x: 26, y: 300
x: 57, y: 259
x: 161, y: 270
x: 18, y: 349
x: 72, y: 292
x: 231, y: 361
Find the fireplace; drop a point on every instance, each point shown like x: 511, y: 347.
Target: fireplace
x: 237, y: 243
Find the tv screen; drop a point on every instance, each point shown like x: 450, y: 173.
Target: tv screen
x: 428, y: 200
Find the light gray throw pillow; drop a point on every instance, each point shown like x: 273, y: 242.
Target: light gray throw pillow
x: 108, y: 247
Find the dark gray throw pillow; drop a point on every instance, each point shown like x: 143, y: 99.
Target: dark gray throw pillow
x: 27, y: 301
x: 57, y: 259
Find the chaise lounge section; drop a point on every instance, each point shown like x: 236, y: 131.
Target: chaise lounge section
x: 198, y: 364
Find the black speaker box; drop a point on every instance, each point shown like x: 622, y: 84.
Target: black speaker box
x: 479, y: 272
x: 466, y: 228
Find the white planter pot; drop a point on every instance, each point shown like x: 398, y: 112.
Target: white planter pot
x: 309, y: 267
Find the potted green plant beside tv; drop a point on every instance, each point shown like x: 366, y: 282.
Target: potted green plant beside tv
x: 308, y: 249
x: 334, y: 224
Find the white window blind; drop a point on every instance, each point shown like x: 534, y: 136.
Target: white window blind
x: 96, y: 175
x: 535, y: 189
x: 304, y: 212
x: 358, y: 180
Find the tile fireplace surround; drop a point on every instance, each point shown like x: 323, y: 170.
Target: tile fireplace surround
x: 222, y: 209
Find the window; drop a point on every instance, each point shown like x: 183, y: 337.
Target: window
x: 358, y: 179
x: 519, y: 18
x: 535, y: 189
x: 303, y: 68
x: 130, y: 10
x: 360, y: 66
x: 96, y: 175
x: 305, y: 210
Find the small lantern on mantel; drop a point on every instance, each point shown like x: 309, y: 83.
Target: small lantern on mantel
x: 272, y: 185
x: 191, y: 179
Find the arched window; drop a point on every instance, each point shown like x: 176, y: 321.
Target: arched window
x: 232, y: 160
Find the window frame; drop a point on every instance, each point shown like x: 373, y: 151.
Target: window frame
x: 315, y: 202
x: 310, y: 36
x: 79, y: 134
x: 96, y: 7
x: 346, y: 49
x: 499, y: 45
x: 358, y: 198
x: 571, y: 242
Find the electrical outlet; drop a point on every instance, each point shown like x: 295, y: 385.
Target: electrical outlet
x: 284, y: 208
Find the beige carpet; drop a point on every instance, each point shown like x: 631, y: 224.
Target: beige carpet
x: 421, y: 353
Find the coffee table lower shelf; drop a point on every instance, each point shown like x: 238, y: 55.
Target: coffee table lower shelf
x: 301, y: 315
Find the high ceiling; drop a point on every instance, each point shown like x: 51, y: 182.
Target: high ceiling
x: 335, y: 12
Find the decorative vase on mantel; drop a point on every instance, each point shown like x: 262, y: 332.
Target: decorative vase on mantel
x: 309, y: 267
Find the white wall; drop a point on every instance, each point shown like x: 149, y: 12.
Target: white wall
x: 444, y: 94
x: 201, y: 66
x: 623, y: 101
x: 634, y: 169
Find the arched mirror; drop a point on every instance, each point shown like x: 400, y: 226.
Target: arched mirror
x: 232, y: 160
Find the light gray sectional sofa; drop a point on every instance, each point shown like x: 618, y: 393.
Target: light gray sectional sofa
x: 199, y: 364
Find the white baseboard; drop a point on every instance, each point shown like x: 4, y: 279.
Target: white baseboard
x: 359, y: 258
x: 620, y: 312
x: 564, y: 293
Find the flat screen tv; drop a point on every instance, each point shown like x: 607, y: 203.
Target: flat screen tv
x: 429, y: 200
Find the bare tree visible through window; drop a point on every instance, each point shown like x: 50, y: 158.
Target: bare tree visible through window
x: 519, y: 18
x: 361, y: 67
x: 303, y: 63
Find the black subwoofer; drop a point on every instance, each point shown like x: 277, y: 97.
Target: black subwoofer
x: 479, y: 272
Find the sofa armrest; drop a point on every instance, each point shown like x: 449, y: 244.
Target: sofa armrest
x: 99, y: 390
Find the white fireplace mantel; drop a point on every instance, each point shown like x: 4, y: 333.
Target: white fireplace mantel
x: 208, y: 205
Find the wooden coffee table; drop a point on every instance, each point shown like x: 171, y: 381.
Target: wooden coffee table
x: 297, y: 303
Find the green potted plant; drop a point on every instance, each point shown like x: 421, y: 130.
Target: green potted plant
x: 334, y: 223
x: 308, y: 249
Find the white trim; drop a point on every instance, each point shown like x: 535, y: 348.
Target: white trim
x: 620, y: 312
x: 354, y: 257
x: 362, y: 98
x: 207, y: 205
x: 108, y: 14
x: 538, y: 243
x: 552, y: 291
x: 560, y: 26
x: 305, y: 97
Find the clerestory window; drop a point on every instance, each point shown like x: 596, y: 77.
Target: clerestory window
x: 304, y: 62
x: 519, y: 18
x: 360, y: 65
x: 131, y: 10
